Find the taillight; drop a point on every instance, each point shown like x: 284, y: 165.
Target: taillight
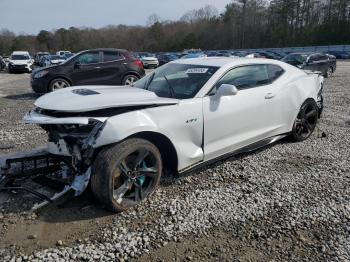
x: 139, y: 63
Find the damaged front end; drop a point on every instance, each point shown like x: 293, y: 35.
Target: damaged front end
x: 65, y: 161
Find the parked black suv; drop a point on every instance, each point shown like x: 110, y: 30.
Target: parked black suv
x: 90, y: 67
x: 312, y: 61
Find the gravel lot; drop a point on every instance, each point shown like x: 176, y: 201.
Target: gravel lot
x: 287, y: 202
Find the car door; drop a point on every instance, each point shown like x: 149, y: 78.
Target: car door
x: 324, y: 63
x: 86, y: 69
x: 232, y: 122
x: 113, y: 68
x: 316, y: 63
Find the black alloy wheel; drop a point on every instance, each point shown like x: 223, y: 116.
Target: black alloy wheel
x: 306, y: 121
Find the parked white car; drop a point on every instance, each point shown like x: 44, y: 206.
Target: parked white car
x: 185, y: 114
x: 62, y: 53
x: 20, y: 61
x: 56, y: 59
x: 149, y: 60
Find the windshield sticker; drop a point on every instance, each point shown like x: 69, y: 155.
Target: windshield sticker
x: 197, y: 70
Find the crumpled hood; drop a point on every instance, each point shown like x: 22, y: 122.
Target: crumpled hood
x: 90, y: 98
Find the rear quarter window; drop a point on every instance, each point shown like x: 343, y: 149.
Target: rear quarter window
x: 274, y: 72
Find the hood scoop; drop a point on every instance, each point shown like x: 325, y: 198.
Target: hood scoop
x: 85, y: 92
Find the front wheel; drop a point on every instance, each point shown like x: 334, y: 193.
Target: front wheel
x: 129, y: 80
x: 58, y: 83
x: 306, y: 121
x: 126, y: 174
x: 329, y: 72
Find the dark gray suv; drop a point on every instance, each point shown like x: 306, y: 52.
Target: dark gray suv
x: 91, y: 67
x: 312, y: 61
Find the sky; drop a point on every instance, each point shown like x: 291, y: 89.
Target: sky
x: 31, y: 16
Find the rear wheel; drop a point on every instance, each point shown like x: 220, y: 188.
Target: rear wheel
x: 126, y: 174
x: 306, y: 121
x: 58, y: 83
x: 129, y: 80
x: 329, y: 72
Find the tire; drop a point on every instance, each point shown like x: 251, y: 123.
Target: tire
x: 329, y: 72
x: 129, y: 80
x: 306, y: 121
x: 58, y: 83
x: 116, y: 180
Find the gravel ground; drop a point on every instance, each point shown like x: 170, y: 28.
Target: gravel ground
x: 287, y: 202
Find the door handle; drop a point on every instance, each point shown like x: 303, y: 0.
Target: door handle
x: 269, y: 96
x: 97, y: 67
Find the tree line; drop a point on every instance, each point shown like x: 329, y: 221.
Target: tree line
x: 243, y: 24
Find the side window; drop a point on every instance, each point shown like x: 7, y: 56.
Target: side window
x: 89, y: 58
x: 274, y: 72
x: 246, y: 77
x: 314, y: 58
x: 323, y: 57
x: 109, y: 56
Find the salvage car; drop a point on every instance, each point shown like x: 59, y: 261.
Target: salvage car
x: 20, y: 61
x: 90, y: 67
x: 316, y: 62
x: 186, y: 114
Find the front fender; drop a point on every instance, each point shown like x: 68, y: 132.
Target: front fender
x: 115, y: 130
x: 185, y: 136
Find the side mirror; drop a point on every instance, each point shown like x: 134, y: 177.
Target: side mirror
x: 226, y: 90
x: 77, y: 65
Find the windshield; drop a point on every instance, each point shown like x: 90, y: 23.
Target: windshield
x: 301, y: 58
x: 179, y: 81
x: 20, y: 57
x: 146, y: 55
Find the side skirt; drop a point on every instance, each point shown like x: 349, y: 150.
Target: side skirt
x: 246, y: 149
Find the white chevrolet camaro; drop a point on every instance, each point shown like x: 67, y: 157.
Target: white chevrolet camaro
x: 185, y: 114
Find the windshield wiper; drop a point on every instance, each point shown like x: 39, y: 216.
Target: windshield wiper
x: 150, y: 81
x: 170, y: 87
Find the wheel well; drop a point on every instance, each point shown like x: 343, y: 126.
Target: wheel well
x: 165, y: 147
x: 131, y: 73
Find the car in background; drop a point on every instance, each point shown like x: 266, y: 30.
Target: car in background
x: 340, y: 54
x: 165, y: 58
x: 226, y: 53
x: 44, y: 61
x: 38, y: 56
x: 62, y: 53
x: 56, y: 59
x: 313, y: 62
x: 269, y: 55
x: 240, y: 53
x: 20, y: 61
x: 68, y: 55
x: 255, y: 55
x: 2, y: 64
x: 149, y: 60
x: 91, y: 67
x: 193, y: 55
